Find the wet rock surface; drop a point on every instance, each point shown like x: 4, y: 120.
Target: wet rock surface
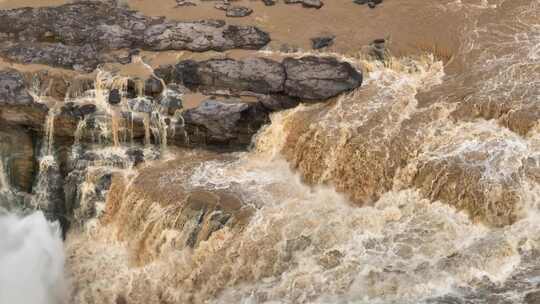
x: 224, y: 123
x: 79, y: 35
x: 238, y: 11
x: 17, y: 105
x: 322, y: 42
x: 18, y: 157
x: 307, y: 78
x: 306, y: 3
x: 370, y: 3
x: 257, y: 75
x: 316, y: 78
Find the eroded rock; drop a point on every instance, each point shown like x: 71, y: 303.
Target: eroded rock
x: 16, y: 104
x: 307, y: 3
x: 79, y: 35
x: 317, y: 78
x: 257, y: 75
x: 220, y: 122
x: 239, y: 11
x: 322, y: 42
x: 307, y: 78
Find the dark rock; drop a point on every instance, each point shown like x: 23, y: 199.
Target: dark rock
x: 171, y: 100
x: 83, y: 58
x: 203, y: 36
x: 81, y: 35
x: 309, y: 78
x: 219, y: 122
x: 321, y: 42
x: 13, y: 90
x: 141, y: 104
x: 269, y: 2
x: 132, y: 90
x: 135, y: 155
x: 307, y: 3
x: 81, y: 202
x: 257, y: 75
x: 76, y: 111
x: 87, y: 109
x: 377, y: 49
x: 316, y: 78
x: 288, y: 48
x: 532, y: 297
x: 238, y: 11
x: 370, y: 3
x: 153, y: 87
x: 17, y: 155
x: 17, y: 107
x: 278, y: 102
x: 114, y: 97
x: 180, y: 3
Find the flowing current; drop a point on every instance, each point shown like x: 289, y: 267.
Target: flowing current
x: 420, y: 187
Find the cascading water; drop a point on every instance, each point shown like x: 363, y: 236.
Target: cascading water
x: 31, y: 253
x: 449, y: 214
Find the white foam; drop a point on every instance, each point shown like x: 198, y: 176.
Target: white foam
x: 31, y: 261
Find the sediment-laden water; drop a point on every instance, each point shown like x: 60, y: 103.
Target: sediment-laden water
x: 421, y: 186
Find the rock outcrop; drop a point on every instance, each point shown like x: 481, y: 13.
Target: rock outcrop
x: 81, y: 35
x: 257, y: 75
x: 17, y: 107
x: 307, y: 78
x: 316, y: 78
x: 17, y: 155
x: 224, y: 123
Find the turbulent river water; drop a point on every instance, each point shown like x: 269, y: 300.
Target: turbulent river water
x: 422, y: 186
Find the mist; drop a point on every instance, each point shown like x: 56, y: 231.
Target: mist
x: 31, y: 261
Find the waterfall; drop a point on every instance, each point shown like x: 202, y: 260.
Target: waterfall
x: 4, y: 183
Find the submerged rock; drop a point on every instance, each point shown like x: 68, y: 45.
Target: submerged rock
x: 238, y: 11
x: 269, y: 2
x: 307, y: 3
x: 180, y: 3
x: 370, y: 3
x: 322, y: 42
